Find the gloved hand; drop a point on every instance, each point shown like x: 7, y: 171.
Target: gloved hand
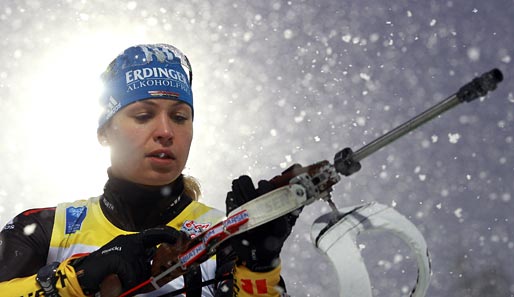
x: 127, y: 256
x: 258, y: 249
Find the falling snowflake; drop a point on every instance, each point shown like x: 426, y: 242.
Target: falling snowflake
x: 29, y: 229
x: 453, y: 138
x: 288, y: 34
x: 474, y: 53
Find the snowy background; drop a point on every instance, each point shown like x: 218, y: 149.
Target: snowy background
x: 279, y: 82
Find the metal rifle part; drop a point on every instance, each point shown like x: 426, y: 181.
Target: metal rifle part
x: 347, y: 162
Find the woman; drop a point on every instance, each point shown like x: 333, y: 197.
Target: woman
x: 76, y: 248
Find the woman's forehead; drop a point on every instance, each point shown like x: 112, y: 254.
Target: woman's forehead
x: 160, y: 103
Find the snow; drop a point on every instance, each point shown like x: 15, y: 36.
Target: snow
x: 278, y: 83
x: 453, y: 137
x: 29, y: 229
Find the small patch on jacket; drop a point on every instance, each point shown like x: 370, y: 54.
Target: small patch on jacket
x: 74, y: 218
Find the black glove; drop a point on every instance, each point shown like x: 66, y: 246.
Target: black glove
x: 127, y: 256
x: 258, y: 249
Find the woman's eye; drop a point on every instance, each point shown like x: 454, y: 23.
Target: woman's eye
x: 179, y: 118
x: 143, y: 117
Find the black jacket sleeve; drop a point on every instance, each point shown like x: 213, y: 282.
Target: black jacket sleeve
x: 24, y: 243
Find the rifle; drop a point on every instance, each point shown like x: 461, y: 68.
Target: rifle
x: 298, y: 186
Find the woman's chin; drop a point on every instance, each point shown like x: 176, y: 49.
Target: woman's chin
x: 158, y: 178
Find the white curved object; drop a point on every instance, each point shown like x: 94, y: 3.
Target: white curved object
x: 335, y: 235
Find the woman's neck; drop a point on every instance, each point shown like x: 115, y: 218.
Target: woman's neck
x: 134, y: 207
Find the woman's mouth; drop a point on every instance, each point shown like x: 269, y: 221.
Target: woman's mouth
x: 161, y: 156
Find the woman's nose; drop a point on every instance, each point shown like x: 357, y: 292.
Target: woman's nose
x: 164, y: 130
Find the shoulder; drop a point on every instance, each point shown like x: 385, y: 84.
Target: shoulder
x: 24, y: 243
x: 78, y: 203
x: 30, y: 230
x: 75, y: 208
x: 38, y: 221
x: 205, y: 211
x: 197, y: 217
x: 32, y: 219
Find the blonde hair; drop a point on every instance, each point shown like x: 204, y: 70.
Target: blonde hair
x: 192, y: 187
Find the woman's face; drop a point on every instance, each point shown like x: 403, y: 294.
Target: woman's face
x: 149, y: 141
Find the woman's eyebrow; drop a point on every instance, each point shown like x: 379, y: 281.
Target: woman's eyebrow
x: 148, y: 102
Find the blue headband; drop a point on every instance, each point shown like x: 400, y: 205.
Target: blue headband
x: 149, y: 71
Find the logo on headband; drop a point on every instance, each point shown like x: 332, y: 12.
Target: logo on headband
x: 170, y: 77
x: 164, y: 93
x: 161, y: 53
x: 112, y: 107
x: 142, y: 74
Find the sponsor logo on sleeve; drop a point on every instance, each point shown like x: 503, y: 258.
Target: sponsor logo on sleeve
x: 9, y: 225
